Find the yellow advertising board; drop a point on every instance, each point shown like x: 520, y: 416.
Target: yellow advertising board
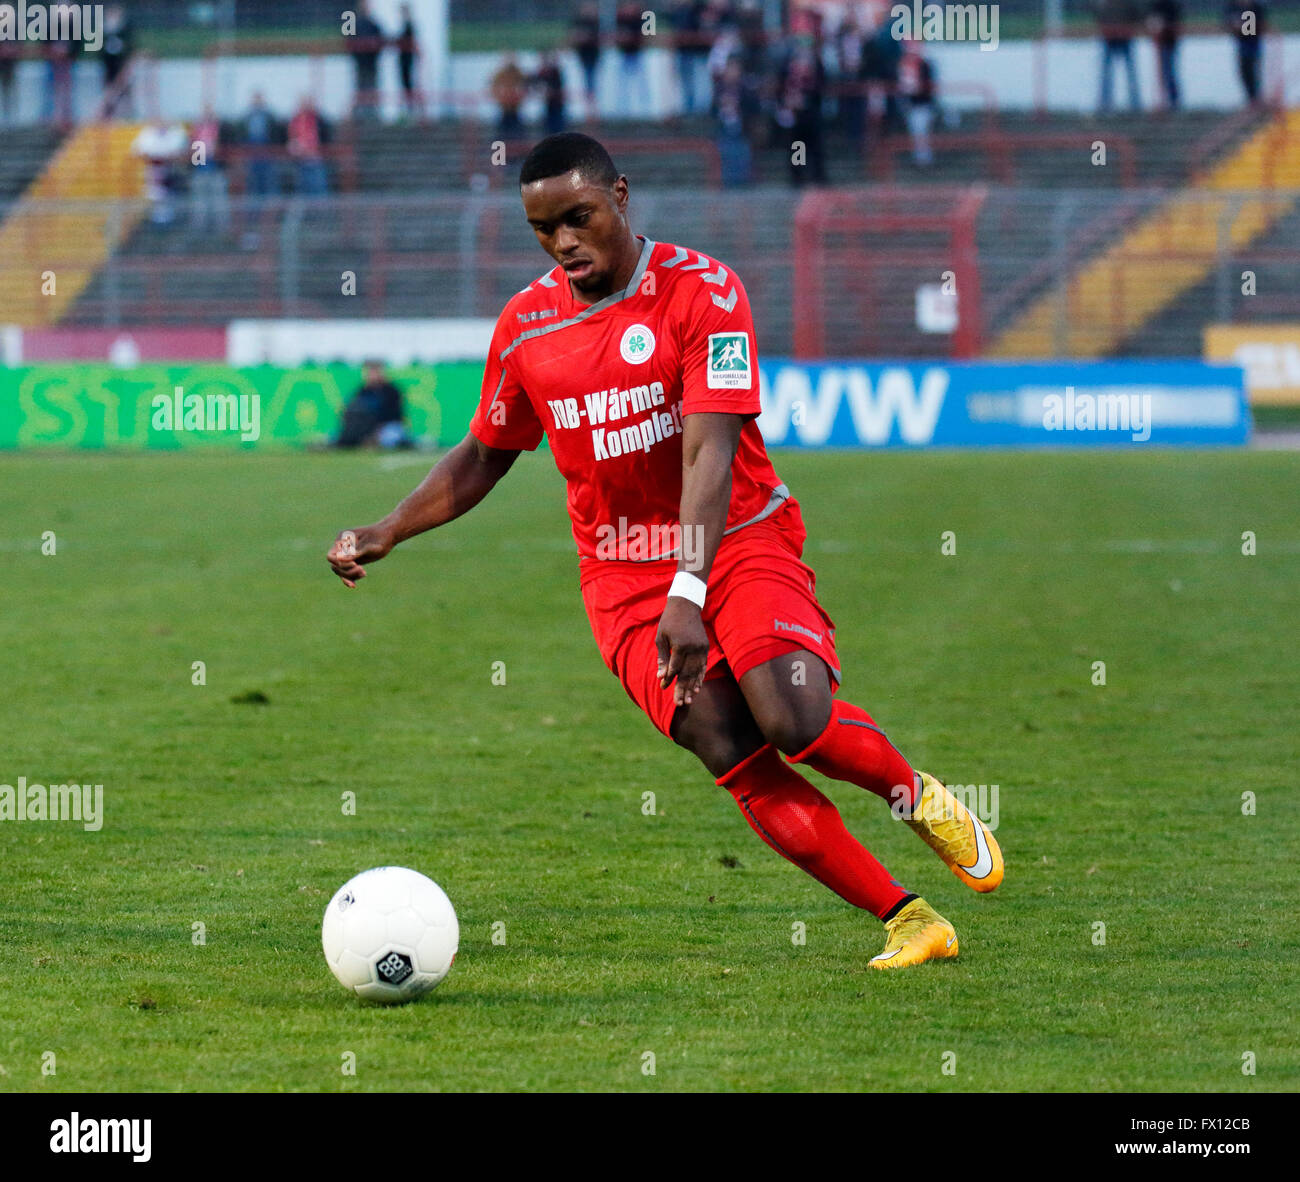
x: 1269, y: 353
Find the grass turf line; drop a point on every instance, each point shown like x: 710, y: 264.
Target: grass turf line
x: 628, y: 934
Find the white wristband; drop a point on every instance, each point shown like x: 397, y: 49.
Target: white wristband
x: 688, y: 586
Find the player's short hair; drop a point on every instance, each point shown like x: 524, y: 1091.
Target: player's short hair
x: 566, y: 152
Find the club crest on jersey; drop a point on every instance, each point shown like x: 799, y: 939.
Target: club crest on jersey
x: 637, y: 344
x: 729, y: 364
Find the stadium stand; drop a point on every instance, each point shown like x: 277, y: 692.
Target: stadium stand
x: 61, y: 231
x: 427, y: 240
x: 23, y: 154
x: 1053, y: 253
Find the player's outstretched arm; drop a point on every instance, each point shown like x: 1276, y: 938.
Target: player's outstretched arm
x: 456, y: 483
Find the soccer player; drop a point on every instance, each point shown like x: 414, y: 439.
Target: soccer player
x: 637, y: 360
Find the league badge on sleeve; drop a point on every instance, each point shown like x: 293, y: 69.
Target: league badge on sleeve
x: 729, y: 361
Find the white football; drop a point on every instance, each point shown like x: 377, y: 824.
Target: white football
x: 390, y: 934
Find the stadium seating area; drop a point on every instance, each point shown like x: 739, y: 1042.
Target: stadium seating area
x: 1052, y: 151
x: 1053, y: 252
x: 432, y: 228
x: 24, y: 151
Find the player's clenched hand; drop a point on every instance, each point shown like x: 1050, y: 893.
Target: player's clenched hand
x: 683, y: 649
x: 353, y: 548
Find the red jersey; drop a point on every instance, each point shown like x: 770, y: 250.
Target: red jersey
x: 610, y: 385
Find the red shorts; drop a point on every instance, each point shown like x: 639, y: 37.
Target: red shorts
x: 761, y: 603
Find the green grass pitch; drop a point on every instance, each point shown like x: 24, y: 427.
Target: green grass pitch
x: 627, y: 935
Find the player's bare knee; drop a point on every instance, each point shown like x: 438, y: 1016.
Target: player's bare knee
x: 718, y: 749
x: 793, y: 724
x: 790, y: 697
x: 786, y: 735
x: 717, y: 727
x: 728, y: 755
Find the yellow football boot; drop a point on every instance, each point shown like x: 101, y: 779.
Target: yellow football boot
x: 917, y: 933
x: 961, y: 839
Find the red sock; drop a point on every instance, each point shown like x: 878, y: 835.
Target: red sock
x: 854, y: 748
x: 804, y: 827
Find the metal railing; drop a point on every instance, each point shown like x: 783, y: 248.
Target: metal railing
x: 829, y: 273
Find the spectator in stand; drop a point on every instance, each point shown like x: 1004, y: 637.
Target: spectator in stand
x: 729, y: 108
x: 633, y: 85
x: 800, y: 87
x: 684, y: 16
x: 306, y: 137
x: 732, y: 43
x: 756, y: 62
x: 261, y: 133
x: 160, y: 145
x: 209, y: 203
x: 550, y: 78
x: 408, y: 50
x: 10, y: 51
x: 726, y: 45
x: 1117, y: 21
x: 850, y: 62
x: 916, y: 83
x: 1246, y: 20
x: 1165, y: 20
x: 509, y: 89
x: 715, y: 16
x: 884, y: 53
x: 118, y: 44
x: 585, y: 42
x: 374, y: 413
x: 59, y: 54
x: 367, y: 41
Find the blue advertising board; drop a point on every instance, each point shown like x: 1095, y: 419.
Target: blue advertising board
x: 909, y: 404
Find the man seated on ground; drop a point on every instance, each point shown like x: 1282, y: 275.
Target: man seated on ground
x: 374, y: 414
